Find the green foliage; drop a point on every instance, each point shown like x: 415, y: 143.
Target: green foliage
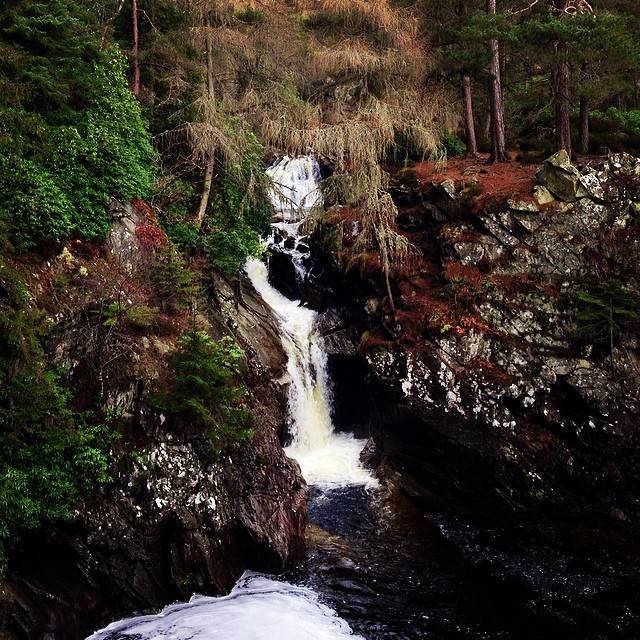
x: 51, y: 458
x: 71, y: 133
x: 205, y: 388
x: 453, y: 145
x: 177, y: 285
x: 627, y: 119
x: 185, y: 236
x: 136, y: 316
x: 237, y: 223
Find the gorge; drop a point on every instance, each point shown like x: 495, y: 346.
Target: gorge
x: 319, y: 319
x: 382, y: 564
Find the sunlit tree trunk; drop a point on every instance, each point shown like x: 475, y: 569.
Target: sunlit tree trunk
x: 561, y: 81
x: 208, y: 175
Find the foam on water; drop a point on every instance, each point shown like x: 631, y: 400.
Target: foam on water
x: 258, y: 608
x: 327, y: 459
x: 296, y: 186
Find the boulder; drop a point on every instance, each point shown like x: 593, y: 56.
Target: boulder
x: 561, y: 178
x: 283, y: 274
x: 523, y: 206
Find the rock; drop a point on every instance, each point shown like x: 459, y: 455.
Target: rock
x: 592, y: 185
x: 172, y: 525
x: 561, y: 178
x: 372, y: 306
x: 511, y: 409
x: 283, y: 274
x: 449, y: 187
x: 177, y: 518
x: 337, y: 335
x: 542, y: 195
x: 123, y: 242
x: 522, y: 206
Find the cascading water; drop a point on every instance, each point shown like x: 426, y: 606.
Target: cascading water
x: 327, y: 459
x: 260, y: 608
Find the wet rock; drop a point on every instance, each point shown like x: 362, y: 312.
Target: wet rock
x: 338, y: 337
x: 283, y: 274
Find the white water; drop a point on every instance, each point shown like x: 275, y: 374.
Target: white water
x: 327, y: 459
x: 258, y: 608
x: 296, y: 187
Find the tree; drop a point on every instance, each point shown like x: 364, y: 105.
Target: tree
x: 561, y: 84
x: 496, y: 97
x: 208, y: 174
x: 469, y: 123
x: 72, y: 135
x: 136, y: 48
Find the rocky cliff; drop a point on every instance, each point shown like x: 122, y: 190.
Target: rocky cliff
x: 175, y: 520
x: 509, y: 374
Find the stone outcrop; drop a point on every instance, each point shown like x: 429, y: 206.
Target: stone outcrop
x: 561, y: 178
x: 489, y: 384
x: 176, y: 520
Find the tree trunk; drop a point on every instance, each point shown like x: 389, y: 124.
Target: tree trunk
x: 206, y: 189
x: 561, y: 80
x: 467, y: 98
x: 209, y: 43
x: 487, y: 126
x: 136, y: 49
x: 584, y: 124
x: 496, y: 103
x: 208, y: 174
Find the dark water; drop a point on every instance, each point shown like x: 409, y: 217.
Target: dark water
x: 395, y: 572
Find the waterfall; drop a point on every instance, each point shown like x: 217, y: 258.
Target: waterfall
x: 327, y: 459
x: 296, y: 187
x: 258, y: 608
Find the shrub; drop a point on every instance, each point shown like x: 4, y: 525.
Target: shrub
x: 51, y: 458
x: 72, y: 135
x: 205, y: 388
x: 453, y: 145
x: 136, y: 316
x: 627, y: 119
x: 185, y: 236
x: 177, y: 285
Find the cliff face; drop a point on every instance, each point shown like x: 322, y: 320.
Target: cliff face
x: 510, y: 374
x: 175, y: 520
